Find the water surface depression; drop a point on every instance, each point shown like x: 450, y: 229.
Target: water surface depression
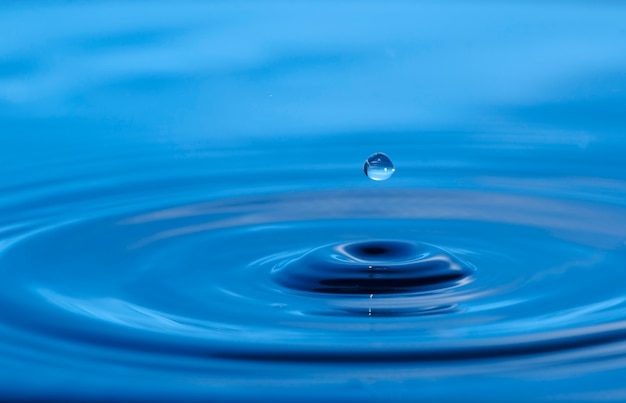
x: 184, y: 214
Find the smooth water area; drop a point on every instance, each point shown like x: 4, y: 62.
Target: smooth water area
x: 184, y: 214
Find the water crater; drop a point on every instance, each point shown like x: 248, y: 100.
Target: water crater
x: 373, y: 267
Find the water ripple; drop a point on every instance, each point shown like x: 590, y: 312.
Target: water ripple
x: 408, y: 274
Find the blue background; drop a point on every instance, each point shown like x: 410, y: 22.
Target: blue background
x: 505, y: 121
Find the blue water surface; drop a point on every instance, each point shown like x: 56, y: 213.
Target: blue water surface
x: 184, y: 215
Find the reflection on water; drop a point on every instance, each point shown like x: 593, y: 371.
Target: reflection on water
x: 183, y: 217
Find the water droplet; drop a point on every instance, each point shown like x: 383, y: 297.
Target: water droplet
x: 378, y: 167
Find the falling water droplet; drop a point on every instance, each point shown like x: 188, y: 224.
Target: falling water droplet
x: 378, y: 167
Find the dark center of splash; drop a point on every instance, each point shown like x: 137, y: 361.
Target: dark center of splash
x: 373, y: 267
x: 374, y: 250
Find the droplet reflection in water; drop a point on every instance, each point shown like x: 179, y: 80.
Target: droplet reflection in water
x: 378, y: 167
